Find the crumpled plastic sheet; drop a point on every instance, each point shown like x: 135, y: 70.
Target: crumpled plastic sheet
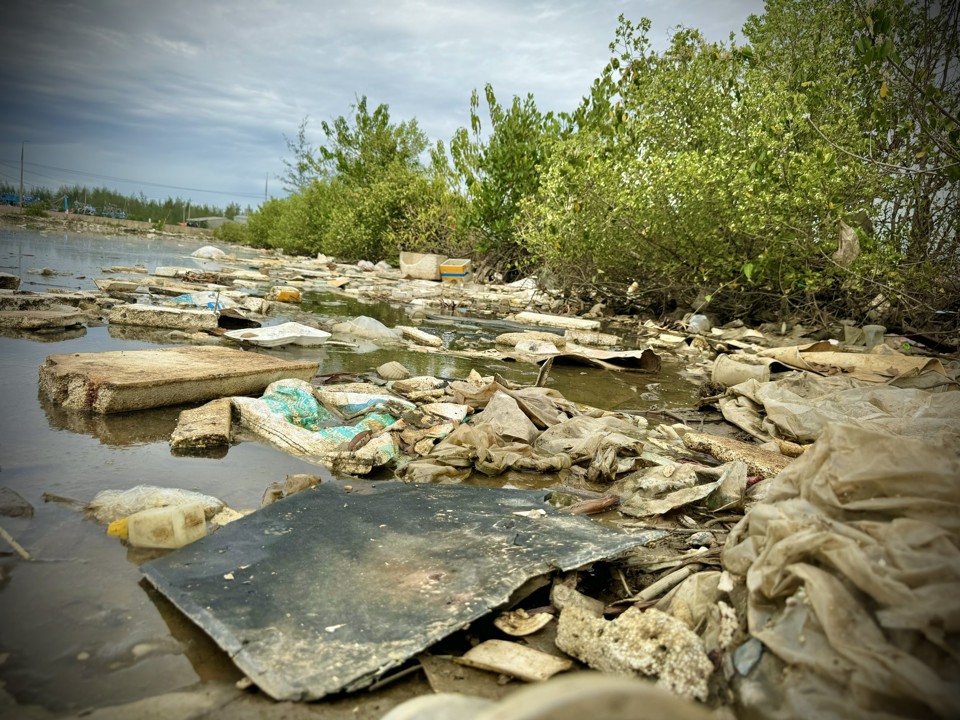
x: 652, y: 491
x: 544, y: 406
x: 800, y: 405
x: 270, y: 417
x: 852, y: 572
x: 609, y: 445
x: 110, y: 505
x: 482, y: 448
x: 296, y: 403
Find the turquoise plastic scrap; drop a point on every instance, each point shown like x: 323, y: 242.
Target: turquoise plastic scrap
x: 372, y: 422
x: 298, y: 407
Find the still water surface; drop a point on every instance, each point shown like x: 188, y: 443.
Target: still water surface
x: 78, y: 628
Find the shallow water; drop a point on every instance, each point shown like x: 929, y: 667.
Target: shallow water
x: 78, y: 628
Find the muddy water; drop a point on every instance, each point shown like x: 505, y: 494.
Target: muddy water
x: 77, y: 626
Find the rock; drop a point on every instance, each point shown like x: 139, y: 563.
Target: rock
x: 649, y: 643
x: 203, y: 427
x: 13, y: 505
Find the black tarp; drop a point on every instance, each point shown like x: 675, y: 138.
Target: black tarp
x: 327, y: 590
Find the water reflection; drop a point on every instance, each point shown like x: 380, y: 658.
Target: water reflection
x: 45, y: 336
x: 115, y: 430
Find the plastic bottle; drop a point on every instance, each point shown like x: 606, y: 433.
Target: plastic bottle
x: 699, y: 324
x: 167, y: 527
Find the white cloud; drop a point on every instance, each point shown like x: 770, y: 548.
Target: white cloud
x: 172, y: 82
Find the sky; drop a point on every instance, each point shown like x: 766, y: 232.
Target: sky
x: 193, y: 98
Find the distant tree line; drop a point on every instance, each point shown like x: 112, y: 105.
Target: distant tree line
x: 109, y: 202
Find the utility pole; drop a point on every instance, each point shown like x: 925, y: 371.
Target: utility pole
x: 21, y: 178
x: 266, y: 179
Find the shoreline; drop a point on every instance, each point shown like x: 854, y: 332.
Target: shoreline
x: 10, y: 215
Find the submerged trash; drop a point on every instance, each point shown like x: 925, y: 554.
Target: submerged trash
x: 162, y: 528
x: 110, y: 505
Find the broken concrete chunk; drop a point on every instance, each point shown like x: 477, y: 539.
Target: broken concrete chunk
x: 119, y: 381
x: 187, y: 319
x: 203, y: 427
x: 421, y: 337
x: 642, y: 643
x: 515, y: 660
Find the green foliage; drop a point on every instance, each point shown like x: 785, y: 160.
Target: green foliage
x: 709, y: 175
x: 233, y: 232
x: 302, y: 169
x: 35, y: 210
x: 499, y: 169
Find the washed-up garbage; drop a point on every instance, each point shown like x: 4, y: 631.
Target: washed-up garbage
x: 214, y: 300
x: 110, y: 505
x: 799, y: 406
x: 544, y: 406
x: 386, y: 573
x: 289, y: 416
x: 208, y: 252
x: 288, y: 333
x: 514, y: 660
x: 851, y: 568
x: 366, y: 327
x: 351, y: 404
x: 168, y: 527
x: 295, y: 401
x: 887, y: 366
x: 645, y: 360
x: 660, y: 490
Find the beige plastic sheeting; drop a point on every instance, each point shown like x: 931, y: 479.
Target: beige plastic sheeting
x: 852, y: 572
x: 885, y: 366
x: 800, y: 405
x: 605, y: 445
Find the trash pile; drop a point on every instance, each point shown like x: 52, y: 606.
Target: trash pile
x: 826, y: 549
x: 799, y: 560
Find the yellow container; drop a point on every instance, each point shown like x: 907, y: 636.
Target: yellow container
x: 167, y: 527
x: 455, y: 270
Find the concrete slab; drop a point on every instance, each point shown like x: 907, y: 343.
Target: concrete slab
x: 204, y: 427
x: 120, y: 381
x: 187, y: 319
x: 42, y: 301
x: 63, y: 317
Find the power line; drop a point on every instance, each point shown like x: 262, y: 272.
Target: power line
x: 128, y: 180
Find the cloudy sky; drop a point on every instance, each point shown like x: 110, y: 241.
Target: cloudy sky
x: 192, y: 98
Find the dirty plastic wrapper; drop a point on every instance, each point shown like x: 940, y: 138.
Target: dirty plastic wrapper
x: 324, y: 446
x: 111, y: 505
x: 800, y: 405
x: 297, y: 405
x: 852, y: 568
